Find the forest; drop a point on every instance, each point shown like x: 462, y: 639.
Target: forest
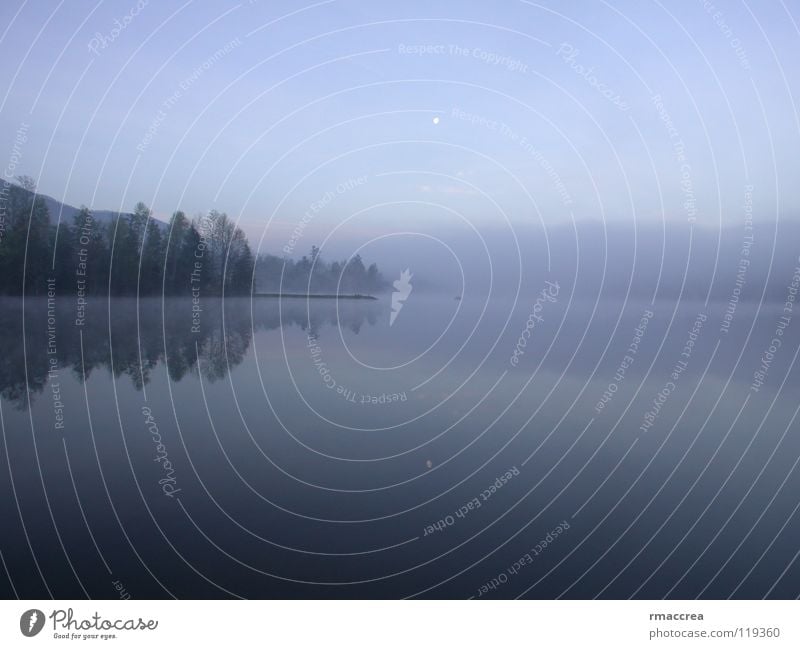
x: 135, y: 254
x: 312, y: 274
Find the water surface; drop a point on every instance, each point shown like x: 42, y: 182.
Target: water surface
x: 293, y: 448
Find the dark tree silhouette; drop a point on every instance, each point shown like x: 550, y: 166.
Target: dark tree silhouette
x: 134, y: 254
x: 313, y: 274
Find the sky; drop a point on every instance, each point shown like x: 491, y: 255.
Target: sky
x: 361, y: 122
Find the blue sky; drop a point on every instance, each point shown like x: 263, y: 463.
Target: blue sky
x: 546, y: 111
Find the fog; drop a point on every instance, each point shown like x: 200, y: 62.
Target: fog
x: 593, y: 259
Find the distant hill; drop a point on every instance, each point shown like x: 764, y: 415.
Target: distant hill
x: 62, y: 212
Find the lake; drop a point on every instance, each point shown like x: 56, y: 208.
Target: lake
x: 490, y: 448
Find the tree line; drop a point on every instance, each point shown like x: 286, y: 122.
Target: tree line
x: 131, y: 254
x: 312, y: 274
x: 134, y: 254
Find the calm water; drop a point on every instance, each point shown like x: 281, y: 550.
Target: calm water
x: 292, y: 449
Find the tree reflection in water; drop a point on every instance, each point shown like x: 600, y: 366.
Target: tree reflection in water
x: 164, y: 332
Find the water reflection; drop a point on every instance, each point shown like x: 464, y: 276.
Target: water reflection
x: 131, y: 338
